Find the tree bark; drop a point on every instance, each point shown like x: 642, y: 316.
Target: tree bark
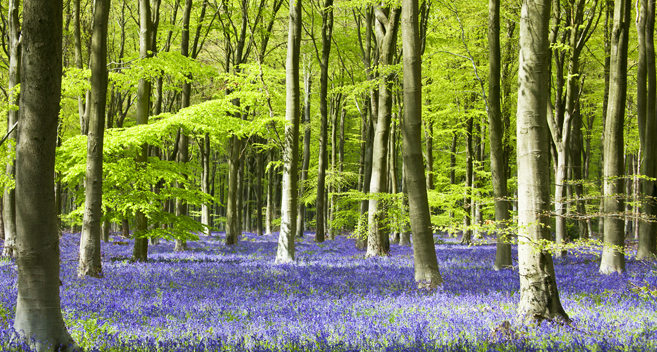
x: 90, y: 264
x: 496, y: 136
x: 427, y: 274
x: 387, y: 26
x: 613, y: 259
x: 307, y: 83
x: 285, y: 252
x: 140, y: 250
x: 9, y: 198
x: 539, y: 297
x: 269, y: 214
x: 647, y: 119
x: 38, y: 319
x: 327, y: 34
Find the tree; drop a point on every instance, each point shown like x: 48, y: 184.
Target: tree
x: 647, y: 119
x: 613, y: 259
x: 327, y: 33
x: 427, y: 273
x: 90, y: 264
x: 539, y: 298
x: 140, y: 251
x: 496, y: 135
x: 387, y: 25
x: 38, y: 312
x: 9, y: 198
x: 285, y: 252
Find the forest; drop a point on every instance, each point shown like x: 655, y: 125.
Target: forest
x: 328, y: 175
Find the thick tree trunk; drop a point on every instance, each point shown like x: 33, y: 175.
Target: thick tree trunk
x: 361, y: 240
x: 38, y: 318
x: 285, y: 252
x: 378, y: 242
x: 90, y: 264
x: 427, y: 274
x: 327, y: 33
x: 613, y: 258
x: 9, y: 198
x: 140, y: 250
x: 539, y: 298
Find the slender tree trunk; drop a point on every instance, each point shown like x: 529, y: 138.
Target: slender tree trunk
x: 140, y: 251
x: 361, y: 240
x: 327, y: 34
x: 647, y: 119
x: 232, y: 214
x: 539, y: 297
x: 613, y: 258
x: 183, y: 142
x: 467, y: 201
x: 427, y: 274
x: 285, y: 252
x: 496, y: 136
x: 269, y: 215
x: 306, y: 153
x: 260, y: 174
x: 206, y: 180
x: 38, y: 319
x: 428, y: 136
x: 9, y: 198
x: 90, y: 264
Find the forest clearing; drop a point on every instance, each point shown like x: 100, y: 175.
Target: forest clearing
x: 215, y: 297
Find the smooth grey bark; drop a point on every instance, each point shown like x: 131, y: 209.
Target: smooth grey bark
x: 38, y: 309
x: 427, y: 274
x: 285, y: 251
x: 539, y: 297
x: 232, y: 217
x: 260, y: 174
x: 428, y: 137
x: 301, y: 217
x: 613, y: 258
x: 89, y: 263
x: 140, y: 250
x: 14, y: 73
x: 496, y: 136
x: 269, y: 213
x: 183, y: 142
x: 84, y: 123
x: 361, y: 241
x: 609, y: 18
x: 467, y: 200
x: 386, y: 28
x: 327, y: 35
x: 647, y: 120
x: 206, y: 179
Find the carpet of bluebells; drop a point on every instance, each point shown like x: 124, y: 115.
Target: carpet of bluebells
x: 234, y: 298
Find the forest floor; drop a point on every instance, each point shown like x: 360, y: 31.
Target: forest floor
x: 213, y: 297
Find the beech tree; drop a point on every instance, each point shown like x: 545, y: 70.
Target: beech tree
x: 38, y: 311
x: 90, y: 264
x: 613, y: 258
x: 539, y: 297
x: 285, y: 252
x: 427, y: 273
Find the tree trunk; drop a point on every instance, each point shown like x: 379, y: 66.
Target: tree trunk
x: 38, y: 320
x: 647, y: 119
x: 306, y: 153
x: 496, y: 135
x: 183, y: 142
x: 428, y: 136
x: 269, y: 215
x: 327, y: 33
x: 467, y: 201
x: 9, y: 198
x: 613, y: 259
x: 140, y: 250
x: 285, y: 252
x: 206, y: 180
x: 361, y: 240
x: 90, y: 264
x: 378, y: 242
x: 427, y: 274
x: 539, y: 298
x: 260, y: 174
